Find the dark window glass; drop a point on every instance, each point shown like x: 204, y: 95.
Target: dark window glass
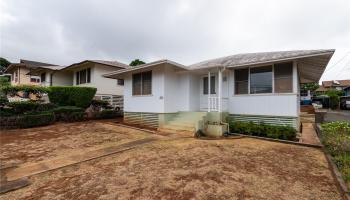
x: 136, y: 84
x: 261, y: 80
x: 205, y: 85
x: 88, y: 75
x: 283, y: 77
x: 142, y: 83
x: 212, y: 85
x: 147, y: 83
x: 43, y: 77
x: 77, y: 78
x: 120, y: 81
x: 241, y: 81
x: 82, y: 74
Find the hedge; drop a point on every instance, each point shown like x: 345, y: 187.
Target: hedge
x: 69, y: 113
x: 41, y: 119
x: 108, y: 114
x: 21, y: 107
x: 71, y: 95
x: 34, y: 89
x: 263, y: 130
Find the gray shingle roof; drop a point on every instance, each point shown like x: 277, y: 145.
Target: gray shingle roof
x: 256, y: 58
x: 111, y: 63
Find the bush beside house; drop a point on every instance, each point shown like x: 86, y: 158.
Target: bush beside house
x: 71, y: 95
x: 263, y: 130
x: 68, y: 104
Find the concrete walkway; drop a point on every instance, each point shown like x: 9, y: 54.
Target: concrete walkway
x: 52, y: 164
x: 309, y: 135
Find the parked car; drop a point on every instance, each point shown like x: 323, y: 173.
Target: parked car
x: 345, y: 103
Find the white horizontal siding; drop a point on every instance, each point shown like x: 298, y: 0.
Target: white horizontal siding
x: 271, y: 105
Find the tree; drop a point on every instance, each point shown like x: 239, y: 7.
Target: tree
x: 4, y: 64
x: 136, y: 62
x: 309, y: 86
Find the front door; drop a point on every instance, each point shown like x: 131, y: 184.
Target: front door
x: 204, y: 87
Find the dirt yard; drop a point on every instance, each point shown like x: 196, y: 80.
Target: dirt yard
x: 171, y: 168
x: 37, y: 144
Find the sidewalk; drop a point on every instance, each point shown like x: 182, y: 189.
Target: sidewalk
x: 309, y: 135
x: 47, y: 165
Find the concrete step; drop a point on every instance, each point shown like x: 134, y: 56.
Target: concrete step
x: 307, y: 120
x: 307, y: 115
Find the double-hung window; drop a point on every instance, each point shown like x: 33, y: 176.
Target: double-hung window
x: 83, y: 76
x: 142, y: 83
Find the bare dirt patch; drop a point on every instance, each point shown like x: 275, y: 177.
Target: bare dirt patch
x: 193, y: 169
x: 37, y: 144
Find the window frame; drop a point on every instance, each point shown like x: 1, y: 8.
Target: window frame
x: 141, y: 83
x: 79, y: 74
x: 212, y: 89
x: 273, y: 80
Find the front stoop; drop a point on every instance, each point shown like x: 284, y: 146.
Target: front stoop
x: 183, y: 122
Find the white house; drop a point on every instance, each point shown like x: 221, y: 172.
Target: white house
x: 248, y: 87
x: 86, y: 73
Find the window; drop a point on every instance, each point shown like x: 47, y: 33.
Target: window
x: 120, y: 81
x: 212, y: 85
x: 83, y: 76
x: 34, y: 79
x: 241, y: 81
x: 43, y: 77
x: 283, y: 77
x: 261, y: 80
x: 142, y: 83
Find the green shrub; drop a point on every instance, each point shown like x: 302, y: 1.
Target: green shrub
x: 108, y: 114
x: 41, y: 119
x: 69, y: 113
x: 263, y: 130
x: 71, y: 95
x: 336, y: 139
x: 3, y: 99
x: 22, y: 107
x: 6, y: 112
x: 34, y: 89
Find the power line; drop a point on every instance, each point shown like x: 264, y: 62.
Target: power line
x: 331, y: 67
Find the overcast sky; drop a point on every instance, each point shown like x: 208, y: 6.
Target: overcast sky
x: 63, y: 32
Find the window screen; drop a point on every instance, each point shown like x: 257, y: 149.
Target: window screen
x: 142, y: 83
x: 283, y: 77
x: 241, y: 81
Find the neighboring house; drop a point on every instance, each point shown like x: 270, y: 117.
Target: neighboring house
x: 20, y: 72
x: 53, y: 75
x: 335, y: 85
x: 260, y: 87
x: 347, y: 91
x: 86, y: 73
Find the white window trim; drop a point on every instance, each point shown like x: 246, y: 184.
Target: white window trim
x: 132, y: 84
x: 273, y: 81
